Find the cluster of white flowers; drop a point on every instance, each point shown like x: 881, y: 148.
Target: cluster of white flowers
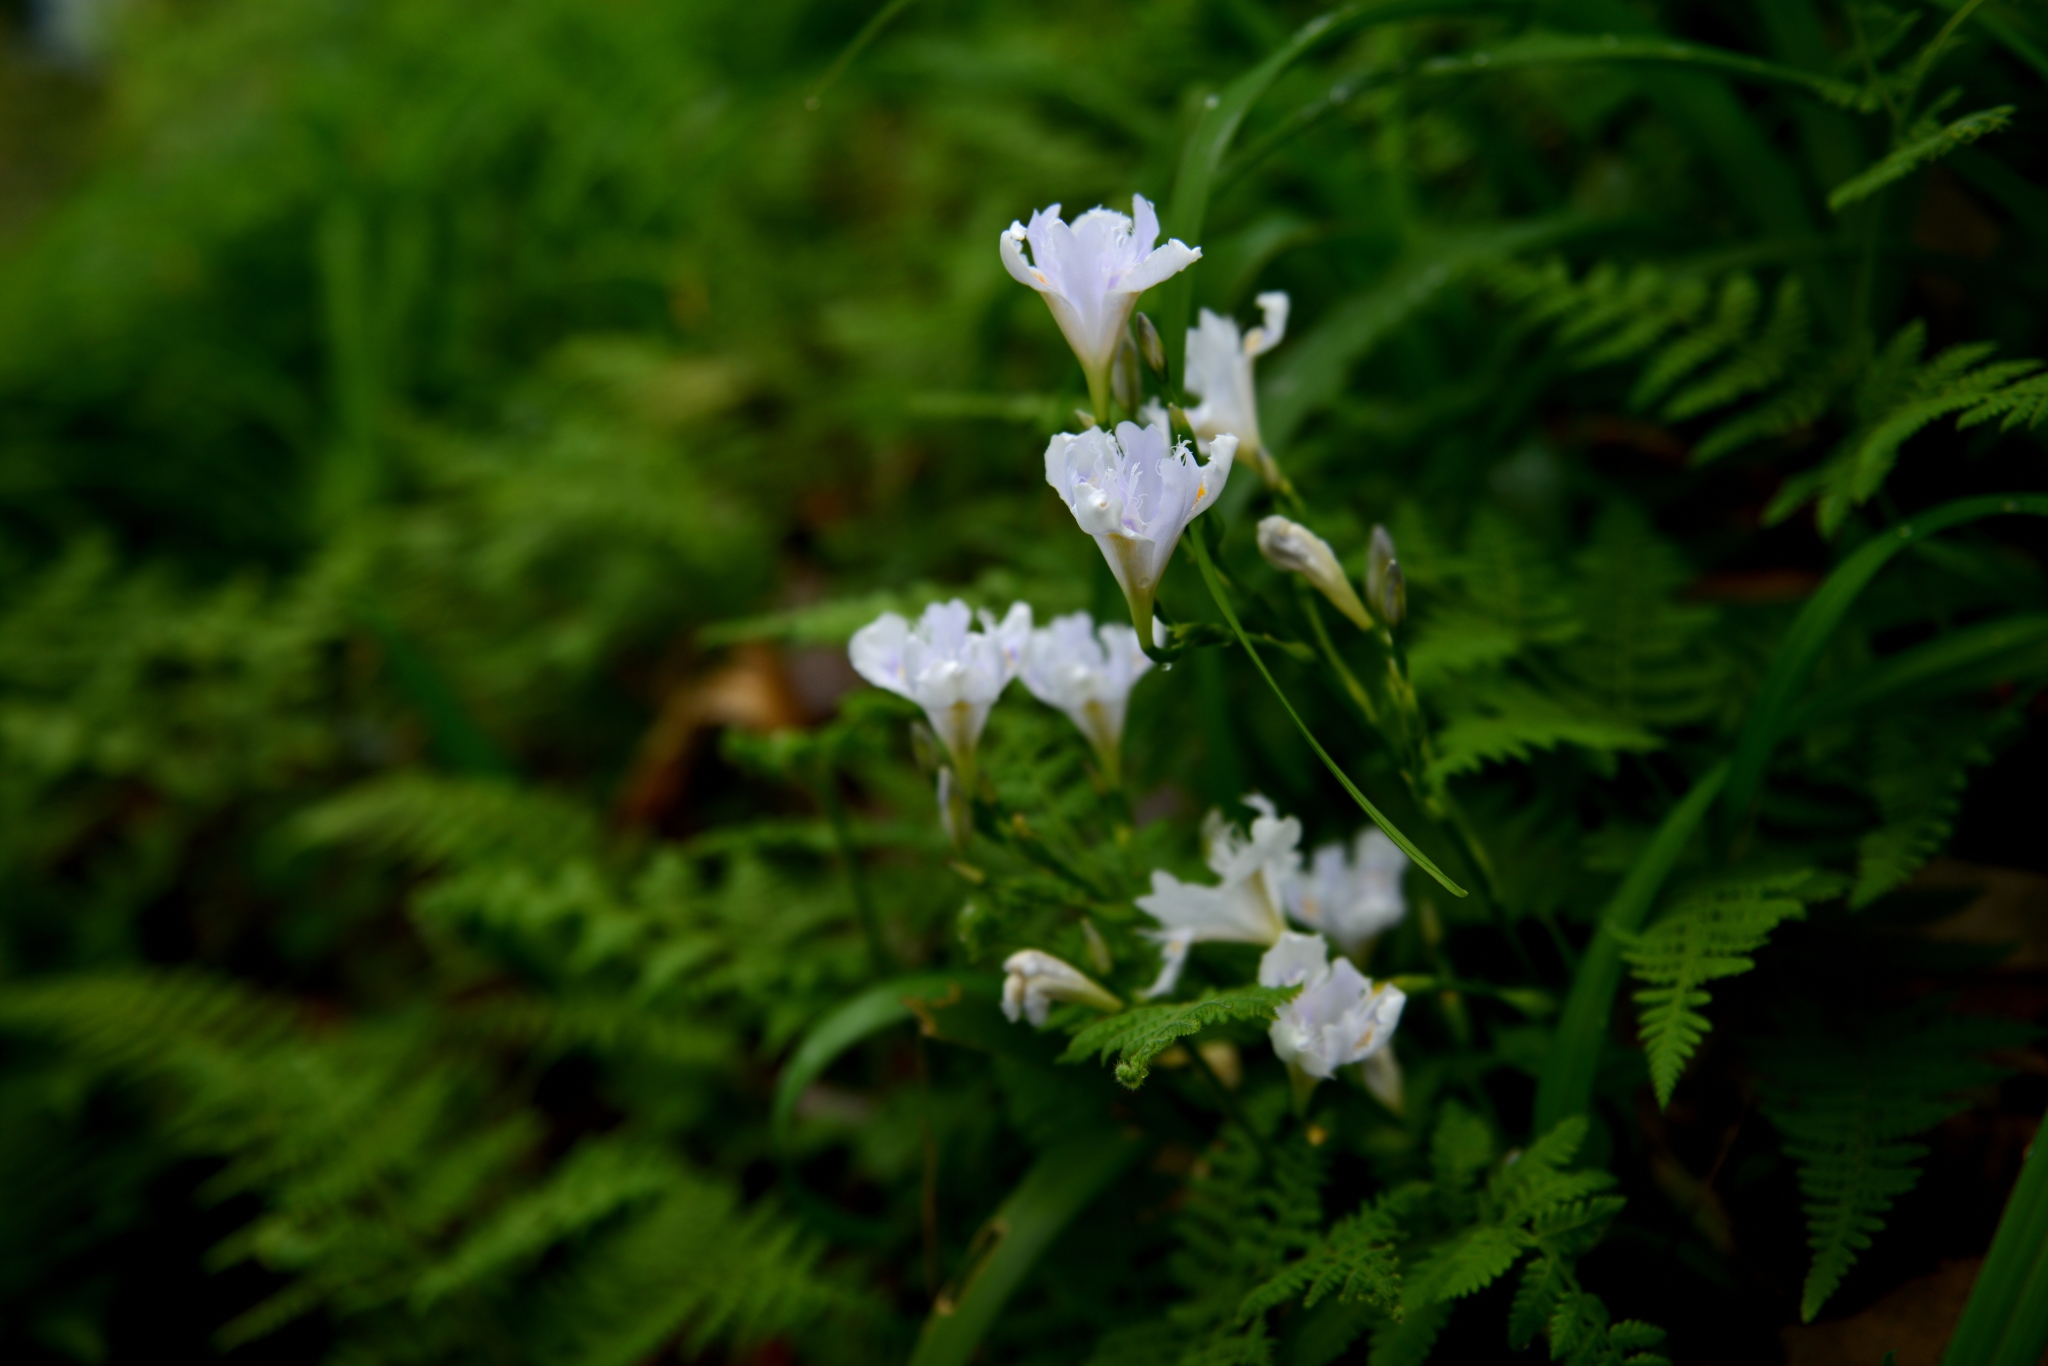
x: 1135, y: 490
x: 956, y: 672
x: 1353, y: 896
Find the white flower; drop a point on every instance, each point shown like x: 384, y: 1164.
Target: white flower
x: 1244, y: 907
x: 1292, y: 548
x: 1219, y: 372
x: 1135, y: 494
x: 1352, y: 899
x: 1087, y: 671
x: 1339, y: 1018
x: 953, y: 672
x: 1091, y: 275
x: 1035, y: 980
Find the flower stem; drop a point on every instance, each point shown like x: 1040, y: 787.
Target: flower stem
x: 1232, y: 1111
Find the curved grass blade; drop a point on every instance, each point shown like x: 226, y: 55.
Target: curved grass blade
x: 1771, y: 715
x: 1969, y: 656
x: 1060, y: 1184
x: 872, y: 1011
x: 2006, y: 1317
x: 1422, y: 860
x: 1224, y: 114
x: 1313, y: 370
x: 1579, y: 49
x: 868, y: 32
x: 1566, y: 1086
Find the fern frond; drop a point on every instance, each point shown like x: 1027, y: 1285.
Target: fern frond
x: 1409, y: 1341
x: 1642, y: 655
x: 1846, y: 1105
x: 1725, y: 331
x: 1507, y: 720
x: 1357, y: 1261
x: 1928, y: 144
x: 2025, y: 401
x: 1918, y: 771
x: 696, y: 1266
x: 1755, y: 364
x: 1702, y: 939
x: 600, y: 1179
x: 428, y: 819
x: 1142, y: 1033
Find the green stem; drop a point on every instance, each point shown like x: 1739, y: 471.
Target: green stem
x: 1359, y: 695
x: 1232, y: 1111
x: 1422, y: 860
x: 856, y: 876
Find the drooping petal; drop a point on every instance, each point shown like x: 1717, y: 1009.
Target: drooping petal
x: 877, y: 652
x: 1296, y: 960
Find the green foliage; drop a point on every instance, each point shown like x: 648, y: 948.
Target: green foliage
x: 1142, y: 1033
x: 1846, y: 1101
x: 1674, y: 324
x: 1929, y: 142
x: 1918, y: 768
x: 449, y: 449
x: 1705, y: 936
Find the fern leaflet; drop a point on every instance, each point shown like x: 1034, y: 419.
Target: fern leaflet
x: 1142, y: 1033
x: 1703, y: 938
x: 1846, y: 1105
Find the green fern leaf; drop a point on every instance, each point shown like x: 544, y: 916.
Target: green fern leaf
x: 600, y: 1179
x: 1468, y: 1262
x: 1728, y: 328
x: 2023, y: 402
x: 1846, y: 1105
x: 1702, y: 939
x: 1926, y: 145
x: 1755, y: 364
x: 1917, y: 775
x: 1505, y: 721
x: 1408, y: 1342
x: 1543, y: 1282
x: 1142, y: 1033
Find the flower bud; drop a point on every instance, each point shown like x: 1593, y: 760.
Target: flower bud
x: 1033, y: 980
x: 1124, y: 384
x: 1385, y: 585
x: 1150, y: 346
x: 1293, y: 548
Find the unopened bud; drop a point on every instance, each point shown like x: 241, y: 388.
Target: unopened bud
x: 1084, y: 417
x: 1033, y: 980
x: 1293, y: 548
x: 1124, y: 385
x: 1149, y: 345
x: 1385, y: 585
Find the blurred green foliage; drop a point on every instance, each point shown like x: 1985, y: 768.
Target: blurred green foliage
x: 447, y: 447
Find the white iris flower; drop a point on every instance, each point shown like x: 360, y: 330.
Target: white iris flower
x: 1087, y: 671
x: 954, y: 672
x: 1135, y: 493
x: 1091, y: 275
x: 1243, y: 907
x: 1340, y: 1017
x: 1354, y: 898
x: 1034, y: 980
x: 1219, y: 372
